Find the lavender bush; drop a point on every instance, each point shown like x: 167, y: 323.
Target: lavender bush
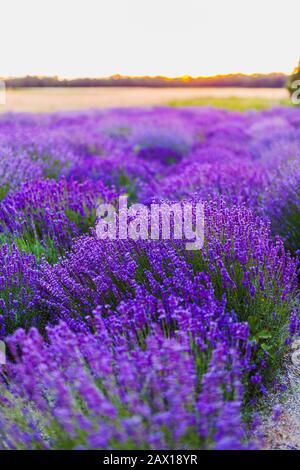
x: 122, y: 344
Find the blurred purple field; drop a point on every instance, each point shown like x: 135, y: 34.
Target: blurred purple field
x: 123, y: 344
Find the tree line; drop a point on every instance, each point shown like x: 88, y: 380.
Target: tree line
x: 273, y: 80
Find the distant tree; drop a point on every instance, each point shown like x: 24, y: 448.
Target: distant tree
x: 293, y: 84
x: 272, y: 80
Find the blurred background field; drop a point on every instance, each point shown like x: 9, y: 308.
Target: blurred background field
x: 58, y: 99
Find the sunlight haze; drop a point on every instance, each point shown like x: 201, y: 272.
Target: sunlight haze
x: 140, y: 37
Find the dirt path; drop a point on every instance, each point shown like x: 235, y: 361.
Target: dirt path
x: 284, y: 433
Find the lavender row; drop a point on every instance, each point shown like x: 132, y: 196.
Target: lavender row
x: 142, y: 344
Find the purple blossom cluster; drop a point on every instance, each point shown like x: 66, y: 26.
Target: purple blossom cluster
x: 18, y: 294
x: 104, y: 391
x: 46, y: 209
x: 123, y: 344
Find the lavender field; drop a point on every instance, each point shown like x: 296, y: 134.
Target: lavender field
x: 142, y: 344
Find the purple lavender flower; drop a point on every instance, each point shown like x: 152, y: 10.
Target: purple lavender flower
x: 142, y: 344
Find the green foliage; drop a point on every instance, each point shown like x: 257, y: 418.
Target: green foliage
x: 266, y: 312
x: 130, y: 186
x: 232, y: 103
x: 4, y: 190
x: 32, y: 245
x: 288, y: 226
x: 83, y: 223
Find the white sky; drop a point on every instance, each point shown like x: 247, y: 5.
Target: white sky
x: 73, y: 38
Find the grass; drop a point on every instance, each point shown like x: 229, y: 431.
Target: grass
x: 232, y: 103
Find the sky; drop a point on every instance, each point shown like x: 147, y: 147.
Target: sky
x: 80, y: 38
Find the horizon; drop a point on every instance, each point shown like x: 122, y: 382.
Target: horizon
x: 121, y: 76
